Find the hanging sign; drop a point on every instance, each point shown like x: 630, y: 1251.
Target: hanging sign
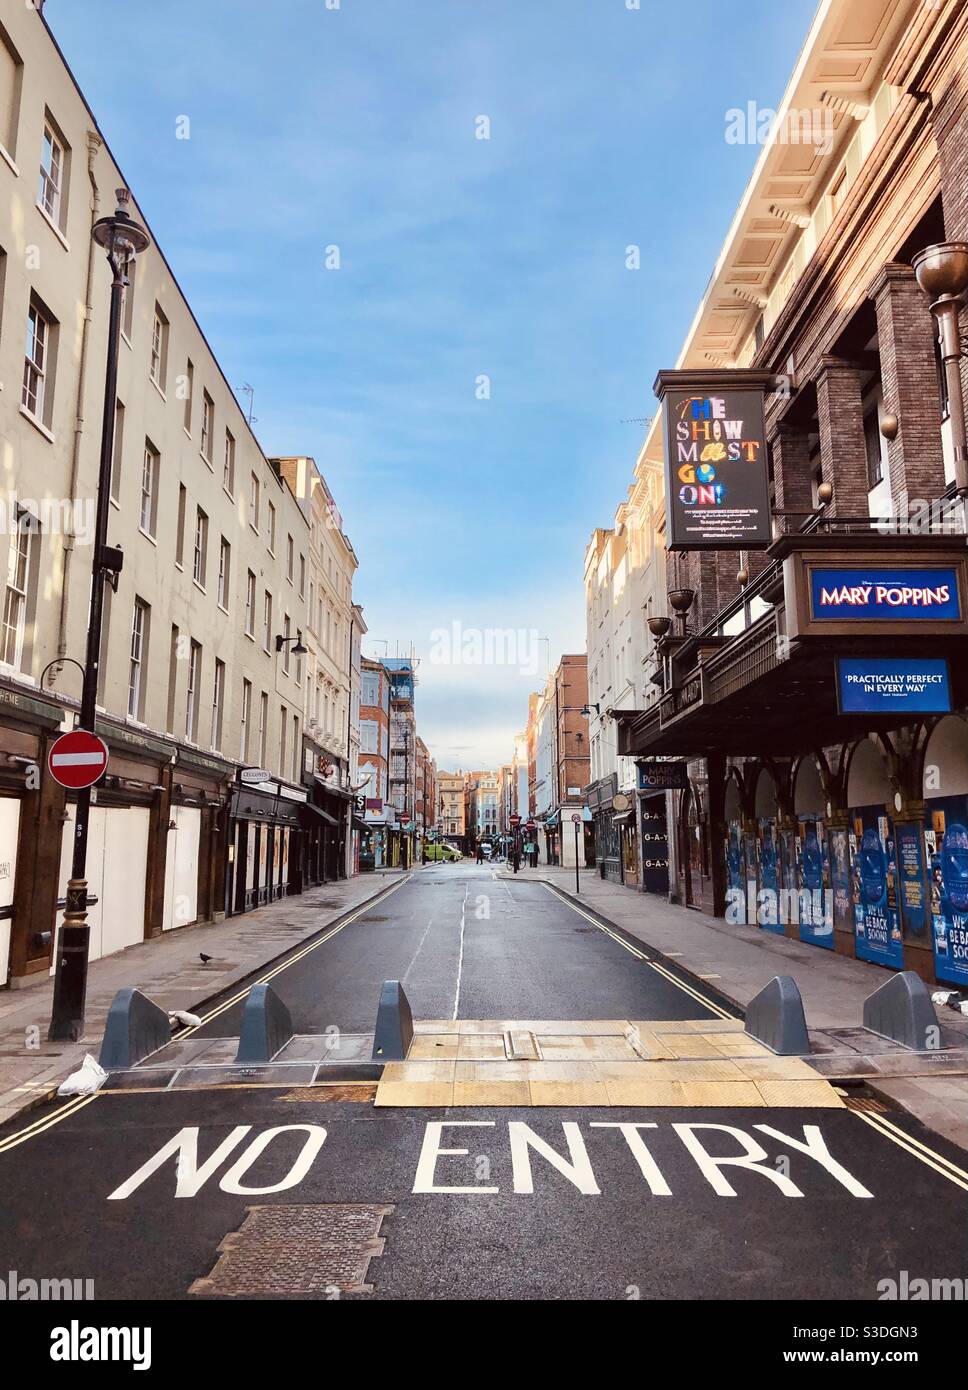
x: 717, y: 471
x: 887, y: 685
x: 885, y: 595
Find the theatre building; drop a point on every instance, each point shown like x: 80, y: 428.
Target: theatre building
x: 812, y: 663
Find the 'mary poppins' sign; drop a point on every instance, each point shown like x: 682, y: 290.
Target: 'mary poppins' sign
x: 885, y: 595
x: 717, y: 474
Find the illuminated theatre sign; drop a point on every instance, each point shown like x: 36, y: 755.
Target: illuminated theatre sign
x: 717, y: 471
x: 884, y: 595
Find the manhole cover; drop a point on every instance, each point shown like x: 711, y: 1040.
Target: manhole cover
x: 297, y: 1250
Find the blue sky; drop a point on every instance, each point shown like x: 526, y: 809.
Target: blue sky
x: 460, y: 257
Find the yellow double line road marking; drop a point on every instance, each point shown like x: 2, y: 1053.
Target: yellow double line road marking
x: 368, y: 906
x: 913, y: 1146
x: 640, y: 955
x: 48, y: 1121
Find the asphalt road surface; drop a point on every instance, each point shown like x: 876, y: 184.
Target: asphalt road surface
x: 138, y: 1191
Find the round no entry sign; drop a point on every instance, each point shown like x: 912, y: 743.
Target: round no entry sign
x: 77, y: 759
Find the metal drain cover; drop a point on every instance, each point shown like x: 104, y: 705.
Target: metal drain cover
x: 297, y: 1250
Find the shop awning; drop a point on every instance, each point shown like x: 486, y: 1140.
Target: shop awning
x: 323, y: 815
x: 360, y: 825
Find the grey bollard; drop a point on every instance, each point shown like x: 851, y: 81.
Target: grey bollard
x: 135, y: 1028
x: 902, y: 1009
x: 266, y: 1026
x: 775, y: 1017
x: 394, y: 1024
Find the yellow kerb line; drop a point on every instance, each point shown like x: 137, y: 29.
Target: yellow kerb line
x: 285, y: 965
x: 916, y: 1149
x: 39, y: 1126
x: 639, y: 955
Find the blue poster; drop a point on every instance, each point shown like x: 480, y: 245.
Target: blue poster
x: 816, y: 914
x: 840, y: 879
x: 947, y: 849
x: 768, y: 904
x: 736, y: 871
x: 913, y: 899
x: 885, y: 595
x: 877, y: 926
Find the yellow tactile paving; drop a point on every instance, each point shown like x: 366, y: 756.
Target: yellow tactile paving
x: 571, y: 1047
x: 689, y: 1063
x: 796, y: 1094
x: 574, y: 1092
x: 485, y: 1047
x: 691, y: 1045
x: 435, y: 1047
x: 492, y: 1093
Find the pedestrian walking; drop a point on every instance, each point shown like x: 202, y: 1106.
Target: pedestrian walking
x: 480, y: 852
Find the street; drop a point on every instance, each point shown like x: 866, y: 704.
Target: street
x: 145, y: 1190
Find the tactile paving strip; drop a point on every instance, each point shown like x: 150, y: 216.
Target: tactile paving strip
x: 702, y: 1063
x: 297, y: 1250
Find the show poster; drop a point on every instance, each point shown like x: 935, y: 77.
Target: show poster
x: 877, y: 925
x: 913, y: 897
x: 735, y: 866
x: 718, y: 491
x: 768, y: 910
x: 816, y: 916
x: 840, y: 879
x: 946, y: 845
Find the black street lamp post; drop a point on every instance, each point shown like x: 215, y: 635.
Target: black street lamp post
x: 122, y: 240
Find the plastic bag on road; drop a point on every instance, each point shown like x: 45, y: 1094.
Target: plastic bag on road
x: 85, y: 1081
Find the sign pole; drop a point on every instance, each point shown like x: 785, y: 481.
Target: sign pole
x: 70, y: 970
x: 576, y: 819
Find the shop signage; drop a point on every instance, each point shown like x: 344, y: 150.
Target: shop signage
x: 252, y: 776
x: 717, y: 482
x: 885, y: 595
x: 77, y: 759
x: 885, y: 685
x: 621, y: 802
x: 662, y: 777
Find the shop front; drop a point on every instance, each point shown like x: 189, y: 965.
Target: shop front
x: 266, y: 826
x: 600, y: 798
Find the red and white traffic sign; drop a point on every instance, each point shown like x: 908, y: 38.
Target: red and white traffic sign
x: 77, y: 759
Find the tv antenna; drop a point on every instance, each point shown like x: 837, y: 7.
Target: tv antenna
x: 246, y: 390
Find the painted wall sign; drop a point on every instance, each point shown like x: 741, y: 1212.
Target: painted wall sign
x: 662, y: 777
x: 883, y: 685
x: 717, y: 484
x: 885, y: 595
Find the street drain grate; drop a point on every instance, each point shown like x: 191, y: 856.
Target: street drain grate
x: 298, y: 1250
x: 865, y: 1105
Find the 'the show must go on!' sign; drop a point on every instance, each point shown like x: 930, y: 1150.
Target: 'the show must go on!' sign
x: 717, y: 471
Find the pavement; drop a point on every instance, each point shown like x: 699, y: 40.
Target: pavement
x: 740, y: 960
x: 169, y: 970
x: 266, y: 1188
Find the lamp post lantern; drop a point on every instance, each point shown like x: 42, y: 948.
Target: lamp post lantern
x: 122, y: 239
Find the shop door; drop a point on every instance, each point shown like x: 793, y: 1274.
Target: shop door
x: 9, y: 836
x: 263, y: 865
